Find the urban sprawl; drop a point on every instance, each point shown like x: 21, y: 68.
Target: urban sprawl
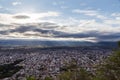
x: 48, y: 62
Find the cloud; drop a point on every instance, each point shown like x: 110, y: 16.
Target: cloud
x: 115, y: 14
x: 37, y: 31
x: 16, y: 3
x: 58, y: 3
x: 113, y: 22
x: 87, y: 12
x: 93, y: 13
x: 1, y: 7
x: 51, y: 31
x: 50, y: 25
x: 64, y: 7
x: 21, y: 17
x: 61, y: 4
x: 55, y: 3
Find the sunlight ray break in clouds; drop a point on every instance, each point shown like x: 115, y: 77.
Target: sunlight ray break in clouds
x: 60, y: 20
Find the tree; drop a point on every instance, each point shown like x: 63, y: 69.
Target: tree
x: 119, y: 43
x: 30, y: 78
x: 110, y: 69
x: 73, y: 72
x: 48, y: 78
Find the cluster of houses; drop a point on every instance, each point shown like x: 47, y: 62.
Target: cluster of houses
x: 49, y: 62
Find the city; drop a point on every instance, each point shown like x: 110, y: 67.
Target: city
x: 40, y: 63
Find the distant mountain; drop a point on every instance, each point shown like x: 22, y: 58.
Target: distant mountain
x: 108, y: 44
x: 45, y: 43
x: 42, y: 43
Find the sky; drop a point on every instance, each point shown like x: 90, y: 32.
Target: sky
x: 76, y: 20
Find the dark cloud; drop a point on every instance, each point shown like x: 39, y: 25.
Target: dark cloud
x: 109, y: 37
x: 23, y: 29
x: 43, y: 29
x: 36, y: 29
x: 21, y: 17
x: 97, y: 35
x: 4, y: 25
x: 80, y: 35
x: 4, y: 32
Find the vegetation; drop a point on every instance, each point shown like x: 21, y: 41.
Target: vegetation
x: 119, y: 43
x: 110, y: 70
x: 7, y: 70
x: 48, y: 78
x: 73, y: 72
x: 79, y: 74
x: 30, y: 78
